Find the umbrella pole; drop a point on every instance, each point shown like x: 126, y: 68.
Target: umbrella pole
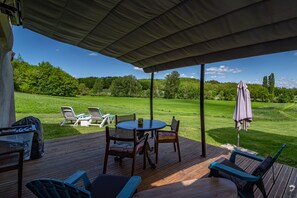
x: 238, y: 138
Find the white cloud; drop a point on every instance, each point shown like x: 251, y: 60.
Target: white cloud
x: 137, y: 68
x: 257, y: 81
x: 221, y: 70
x: 93, y: 54
x: 216, y: 77
x: 57, y: 50
x: 285, y: 82
x: 186, y: 76
x: 165, y: 75
x: 295, y: 54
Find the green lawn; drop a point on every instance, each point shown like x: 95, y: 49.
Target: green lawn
x: 273, y: 124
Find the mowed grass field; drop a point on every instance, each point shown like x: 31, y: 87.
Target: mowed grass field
x: 273, y: 124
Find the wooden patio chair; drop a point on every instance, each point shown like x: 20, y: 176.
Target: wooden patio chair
x: 168, y: 136
x: 122, y: 118
x: 125, y: 146
x: 103, y: 186
x: 244, y: 181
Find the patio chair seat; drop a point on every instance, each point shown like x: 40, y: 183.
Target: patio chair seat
x: 165, y: 135
x: 126, y: 147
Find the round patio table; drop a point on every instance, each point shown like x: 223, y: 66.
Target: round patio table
x: 148, y: 125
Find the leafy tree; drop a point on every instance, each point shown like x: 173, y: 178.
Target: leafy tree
x: 97, y: 87
x: 125, y: 86
x: 43, y: 79
x: 265, y: 81
x: 271, y: 83
x: 172, y: 82
x: 83, y: 89
x: 89, y: 81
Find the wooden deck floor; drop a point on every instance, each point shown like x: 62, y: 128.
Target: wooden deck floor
x: 86, y: 152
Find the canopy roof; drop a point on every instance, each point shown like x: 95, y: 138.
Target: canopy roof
x: 158, y: 35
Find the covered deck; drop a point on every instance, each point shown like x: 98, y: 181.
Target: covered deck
x: 66, y: 155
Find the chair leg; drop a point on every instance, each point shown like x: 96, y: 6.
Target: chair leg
x: 105, y: 162
x: 133, y: 164
x: 174, y: 146
x: 262, y: 188
x: 157, y: 148
x: 76, y: 122
x: 144, y: 158
x: 62, y: 123
x: 178, y: 150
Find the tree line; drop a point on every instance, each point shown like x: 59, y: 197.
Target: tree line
x: 46, y: 79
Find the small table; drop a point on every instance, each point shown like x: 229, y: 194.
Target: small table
x: 206, y: 187
x: 85, y: 121
x: 148, y: 125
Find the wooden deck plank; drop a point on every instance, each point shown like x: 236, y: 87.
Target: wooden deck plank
x: 64, y: 156
x: 268, y: 180
x: 281, y: 182
x: 291, y: 191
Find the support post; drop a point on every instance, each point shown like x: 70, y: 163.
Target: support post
x: 151, y: 96
x: 202, y: 123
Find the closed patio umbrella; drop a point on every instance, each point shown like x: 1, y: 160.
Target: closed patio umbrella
x: 243, y: 111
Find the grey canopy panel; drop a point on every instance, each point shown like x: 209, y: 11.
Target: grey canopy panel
x: 157, y: 35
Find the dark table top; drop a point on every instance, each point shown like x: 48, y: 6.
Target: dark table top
x: 147, y: 125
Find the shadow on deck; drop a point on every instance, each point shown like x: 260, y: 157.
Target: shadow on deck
x: 64, y: 156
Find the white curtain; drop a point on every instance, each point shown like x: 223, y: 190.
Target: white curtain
x: 7, y: 106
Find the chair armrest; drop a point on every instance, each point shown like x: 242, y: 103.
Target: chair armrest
x: 77, y: 176
x: 245, y: 154
x: 234, y: 172
x: 130, y: 187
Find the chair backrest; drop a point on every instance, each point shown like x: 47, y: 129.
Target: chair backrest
x: 174, y: 124
x: 68, y: 112
x: 267, y: 163
x: 120, y: 135
x: 95, y: 113
x: 122, y: 118
x: 54, y: 188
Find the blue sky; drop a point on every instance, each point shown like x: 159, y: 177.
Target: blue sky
x: 79, y: 62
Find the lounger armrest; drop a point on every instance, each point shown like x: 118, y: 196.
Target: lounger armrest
x: 130, y: 187
x: 77, y: 176
x: 80, y: 115
x: 106, y: 115
x: 245, y: 154
x: 234, y: 172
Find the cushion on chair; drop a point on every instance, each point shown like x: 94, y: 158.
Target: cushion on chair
x: 166, y: 135
x: 122, y: 147
x: 125, y: 147
x: 107, y: 185
x: 263, y: 167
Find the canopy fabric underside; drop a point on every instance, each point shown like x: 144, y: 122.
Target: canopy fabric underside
x: 159, y: 35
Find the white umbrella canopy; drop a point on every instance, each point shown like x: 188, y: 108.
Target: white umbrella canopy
x: 243, y: 110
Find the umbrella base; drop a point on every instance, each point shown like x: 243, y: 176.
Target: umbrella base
x: 230, y: 147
